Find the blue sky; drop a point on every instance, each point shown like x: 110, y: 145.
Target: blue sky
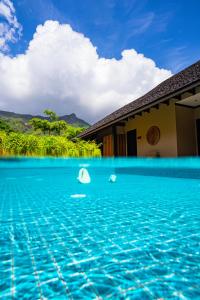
x: 91, y: 57
x: 166, y: 31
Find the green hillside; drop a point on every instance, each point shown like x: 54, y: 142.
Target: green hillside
x: 19, y: 122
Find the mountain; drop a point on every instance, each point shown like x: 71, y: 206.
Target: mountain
x: 73, y: 120
x: 21, y: 120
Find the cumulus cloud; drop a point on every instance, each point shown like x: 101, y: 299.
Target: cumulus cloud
x: 10, y: 28
x: 61, y: 70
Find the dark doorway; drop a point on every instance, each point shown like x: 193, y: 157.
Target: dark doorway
x: 198, y: 135
x: 132, y: 143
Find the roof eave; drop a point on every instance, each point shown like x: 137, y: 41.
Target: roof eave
x: 153, y: 103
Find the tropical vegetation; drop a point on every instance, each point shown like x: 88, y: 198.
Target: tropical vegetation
x: 48, y: 137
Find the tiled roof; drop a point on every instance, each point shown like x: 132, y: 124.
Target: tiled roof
x: 173, y: 84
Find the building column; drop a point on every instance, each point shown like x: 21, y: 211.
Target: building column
x: 114, y: 134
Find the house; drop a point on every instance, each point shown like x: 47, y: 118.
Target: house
x: 164, y: 122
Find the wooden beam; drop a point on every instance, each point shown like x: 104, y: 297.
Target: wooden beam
x: 166, y: 102
x: 139, y: 113
x: 120, y: 124
x: 178, y: 97
x: 192, y: 91
x: 147, y: 110
x: 156, y: 106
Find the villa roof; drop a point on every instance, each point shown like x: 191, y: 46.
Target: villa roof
x: 167, y: 88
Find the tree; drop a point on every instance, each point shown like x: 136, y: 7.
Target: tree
x: 36, y: 123
x: 51, y: 126
x: 5, y: 126
x: 46, y: 126
x: 43, y: 125
x: 72, y: 132
x: 51, y: 114
x: 58, y: 126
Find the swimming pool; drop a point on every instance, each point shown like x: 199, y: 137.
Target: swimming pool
x: 137, y: 238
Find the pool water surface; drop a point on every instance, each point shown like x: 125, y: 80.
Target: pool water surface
x: 137, y: 238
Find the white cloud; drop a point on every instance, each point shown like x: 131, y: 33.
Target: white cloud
x: 10, y: 28
x: 61, y: 70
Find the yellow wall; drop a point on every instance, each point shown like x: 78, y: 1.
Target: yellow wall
x: 186, y: 130
x: 165, y: 119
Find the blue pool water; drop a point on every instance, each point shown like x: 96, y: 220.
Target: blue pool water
x: 137, y: 238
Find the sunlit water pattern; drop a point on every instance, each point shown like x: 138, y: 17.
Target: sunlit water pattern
x: 137, y: 238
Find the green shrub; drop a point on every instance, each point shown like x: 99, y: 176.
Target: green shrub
x: 32, y: 145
